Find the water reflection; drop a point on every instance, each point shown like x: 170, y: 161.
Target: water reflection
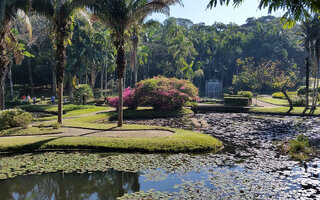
x: 98, y: 185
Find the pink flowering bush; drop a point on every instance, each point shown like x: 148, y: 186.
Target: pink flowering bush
x: 165, y: 93
x: 128, y: 99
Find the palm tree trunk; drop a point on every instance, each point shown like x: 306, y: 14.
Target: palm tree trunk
x: 101, y: 80
x: 307, y: 83
x: 317, y: 74
x: 106, y: 79
x: 61, y: 59
x: 121, y: 63
x: 314, y: 76
x: 3, y: 71
x: 10, y: 79
x: 120, y: 108
x: 54, y: 82
x: 93, y: 76
x: 135, y: 76
x: 30, y: 77
x: 70, y: 87
x: 3, y: 68
x: 135, y: 42
x: 307, y: 74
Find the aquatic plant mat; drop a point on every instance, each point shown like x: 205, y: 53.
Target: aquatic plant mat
x: 147, y: 176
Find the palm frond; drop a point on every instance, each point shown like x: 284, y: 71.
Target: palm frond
x: 22, y: 17
x: 84, y: 16
x: 161, y: 6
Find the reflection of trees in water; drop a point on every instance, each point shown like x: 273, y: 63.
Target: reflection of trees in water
x: 98, y: 185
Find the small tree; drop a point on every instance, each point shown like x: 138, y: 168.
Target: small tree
x: 251, y: 76
x: 279, y: 79
x: 82, y: 93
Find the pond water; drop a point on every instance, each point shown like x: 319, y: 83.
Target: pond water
x: 248, y: 168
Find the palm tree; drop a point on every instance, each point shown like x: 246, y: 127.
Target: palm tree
x: 141, y: 24
x: 119, y: 16
x: 10, y: 10
x: 60, y: 13
x: 306, y: 35
x: 311, y: 41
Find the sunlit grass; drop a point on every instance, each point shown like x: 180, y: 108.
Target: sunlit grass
x: 275, y: 101
x: 281, y: 110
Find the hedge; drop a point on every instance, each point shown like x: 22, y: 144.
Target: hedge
x: 237, y: 101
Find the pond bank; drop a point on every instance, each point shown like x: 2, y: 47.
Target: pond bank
x: 248, y: 168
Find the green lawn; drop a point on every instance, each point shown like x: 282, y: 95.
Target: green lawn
x: 181, y: 141
x: 53, y: 109
x: 74, y: 113
x: 28, y: 131
x: 275, y: 101
x: 148, y: 113
x: 281, y: 110
x: 69, y: 110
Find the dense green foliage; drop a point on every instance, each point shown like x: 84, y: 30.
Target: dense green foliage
x: 14, y: 118
x: 279, y: 95
x: 247, y: 94
x: 165, y: 49
x: 236, y: 101
x: 82, y: 94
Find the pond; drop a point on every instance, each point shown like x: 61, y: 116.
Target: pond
x: 248, y: 168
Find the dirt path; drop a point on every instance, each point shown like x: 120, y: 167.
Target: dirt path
x: 79, y: 132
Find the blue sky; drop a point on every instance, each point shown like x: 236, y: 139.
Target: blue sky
x: 195, y: 10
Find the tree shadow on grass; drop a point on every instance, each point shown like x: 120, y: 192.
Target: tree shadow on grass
x: 33, y: 146
x: 98, y: 131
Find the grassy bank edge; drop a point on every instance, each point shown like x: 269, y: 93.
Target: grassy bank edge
x: 181, y: 141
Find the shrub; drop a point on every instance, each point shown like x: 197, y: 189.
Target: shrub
x: 14, y: 118
x: 302, y: 90
x: 299, y: 148
x: 247, y: 94
x: 280, y: 95
x: 298, y: 101
x: 165, y: 93
x: 128, y: 98
x: 82, y: 93
x: 190, y: 104
x: 56, y: 125
x: 236, y: 101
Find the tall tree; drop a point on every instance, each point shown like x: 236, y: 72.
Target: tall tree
x: 10, y: 10
x: 60, y: 13
x: 119, y: 16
